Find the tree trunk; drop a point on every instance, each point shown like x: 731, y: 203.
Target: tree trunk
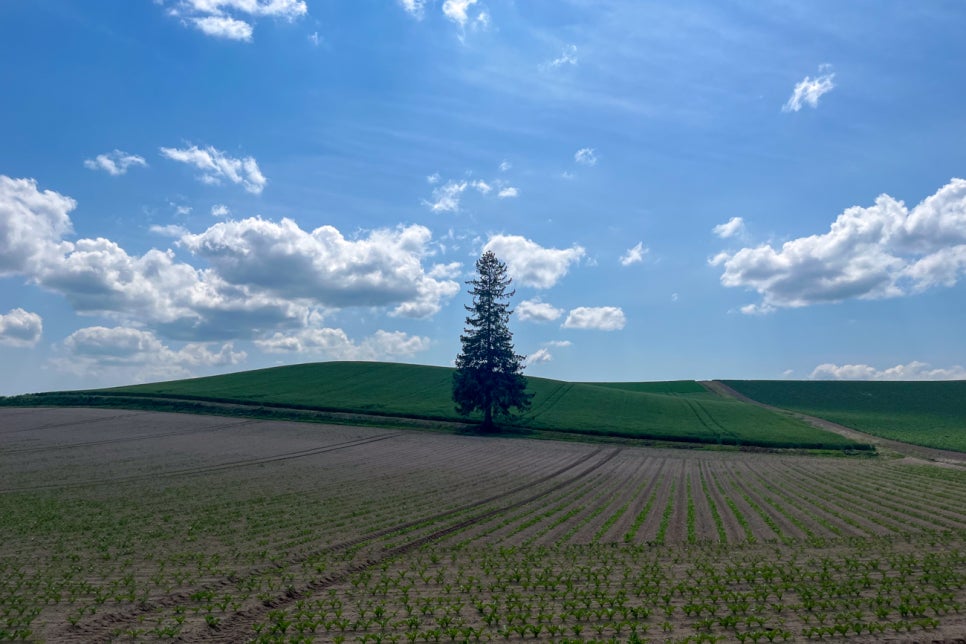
x: 488, y: 418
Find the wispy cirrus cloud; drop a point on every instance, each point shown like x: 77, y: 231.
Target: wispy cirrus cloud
x: 809, y: 90
x: 115, y: 163
x: 586, y: 156
x: 634, y: 255
x: 217, y: 166
x: 567, y: 57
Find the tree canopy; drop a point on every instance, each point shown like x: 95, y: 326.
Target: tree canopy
x: 489, y: 374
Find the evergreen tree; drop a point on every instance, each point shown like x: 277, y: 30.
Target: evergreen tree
x: 489, y: 375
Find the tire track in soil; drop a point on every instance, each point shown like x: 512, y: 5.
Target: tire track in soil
x: 127, y: 439
x: 241, y: 627
x: 98, y: 630
x: 734, y: 530
x: 86, y: 421
x: 622, y: 528
x: 206, y: 469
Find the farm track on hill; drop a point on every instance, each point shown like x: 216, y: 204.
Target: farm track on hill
x: 939, y: 456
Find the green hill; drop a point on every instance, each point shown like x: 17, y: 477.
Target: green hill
x: 667, y: 411
x: 932, y: 414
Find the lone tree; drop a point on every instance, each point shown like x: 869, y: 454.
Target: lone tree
x: 489, y: 375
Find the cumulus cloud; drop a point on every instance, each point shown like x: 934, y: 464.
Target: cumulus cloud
x: 529, y: 263
x: 93, y: 349
x: 731, y: 228
x: 261, y: 275
x: 216, y: 166
x: 600, y: 318
x: 335, y: 344
x: 585, y: 156
x: 224, y: 27
x: 232, y: 19
x: 809, y: 90
x: 220, y: 210
x: 538, y: 356
x: 32, y: 224
x: 508, y: 193
x: 20, y: 328
x: 634, y: 255
x: 505, y: 165
x: 881, y: 251
x: 537, y: 311
x: 115, y: 163
x: 382, y: 269
x: 912, y: 371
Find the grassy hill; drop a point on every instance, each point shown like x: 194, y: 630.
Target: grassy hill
x: 923, y: 413
x: 667, y: 411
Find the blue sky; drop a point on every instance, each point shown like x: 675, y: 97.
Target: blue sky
x: 680, y: 190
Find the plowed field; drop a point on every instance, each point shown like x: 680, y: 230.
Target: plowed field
x: 139, y: 525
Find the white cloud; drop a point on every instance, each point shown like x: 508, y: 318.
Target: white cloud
x: 508, y: 193
x: 912, y: 371
x: 413, y: 7
x: 32, y: 224
x: 585, y: 156
x: 171, y: 230
x: 600, y: 318
x: 537, y: 311
x: 20, y: 328
x: 382, y: 269
x: 482, y: 186
x: 220, y: 210
x: 93, y: 349
x: 115, y: 163
x: 809, y: 90
x: 881, y: 251
x: 634, y: 255
x: 567, y: 57
x: 224, y: 27
x: 451, y: 270
x: 433, y: 179
x: 334, y: 344
x: 559, y: 343
x: 530, y: 264
x: 539, y: 356
x: 734, y: 226
x: 231, y: 19
x: 215, y: 166
x: 261, y: 276
x: 505, y: 165
x: 456, y: 10
x: 674, y: 297
x: 314, y: 38
x: 446, y: 198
